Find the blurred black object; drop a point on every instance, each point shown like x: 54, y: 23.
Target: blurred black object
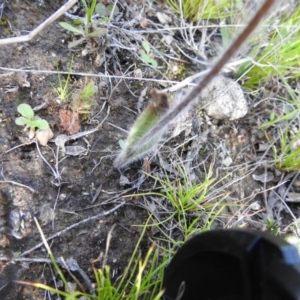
x: 234, y: 265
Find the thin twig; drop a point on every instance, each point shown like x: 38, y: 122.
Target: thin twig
x: 102, y: 214
x: 90, y: 75
x: 108, y: 240
x: 55, y: 203
x: 15, y: 183
x: 113, y: 10
x: 21, y: 145
x: 54, y: 172
x: 98, y: 191
x: 33, y: 33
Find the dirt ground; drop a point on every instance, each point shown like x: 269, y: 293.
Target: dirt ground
x: 80, y: 176
x: 59, y: 190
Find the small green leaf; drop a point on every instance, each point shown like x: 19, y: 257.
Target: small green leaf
x: 31, y: 124
x: 42, y: 124
x: 75, y: 43
x: 110, y: 7
x: 98, y: 32
x: 149, y: 60
x: 69, y: 27
x: 146, y: 46
x: 25, y: 110
x: 91, y: 9
x: 76, y: 22
x: 35, y: 118
x: 145, y: 57
x: 225, y: 37
x: 85, y: 5
x: 122, y: 144
x: 101, y: 10
x: 21, y: 121
x: 153, y: 62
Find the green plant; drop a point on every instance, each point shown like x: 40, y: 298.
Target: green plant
x: 88, y: 28
x: 275, y: 54
x: 149, y: 117
x: 194, y: 10
x: 288, y: 114
x: 83, y: 101
x: 190, y: 199
x: 142, y: 278
x: 106, y: 11
x: 188, y: 206
x: 184, y: 196
x: 272, y: 226
x: 145, y: 55
x: 287, y: 152
x: 29, y: 119
x: 288, y: 157
x: 62, y: 91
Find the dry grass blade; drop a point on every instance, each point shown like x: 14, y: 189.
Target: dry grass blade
x: 105, y: 213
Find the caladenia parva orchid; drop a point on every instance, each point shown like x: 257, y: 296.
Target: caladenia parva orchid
x: 151, y: 124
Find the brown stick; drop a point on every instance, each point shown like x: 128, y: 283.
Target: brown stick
x: 33, y: 33
x: 102, y: 214
x: 175, y: 111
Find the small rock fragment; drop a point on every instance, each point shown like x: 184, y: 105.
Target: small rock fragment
x: 124, y: 180
x: 44, y: 135
x: 223, y: 99
x: 227, y: 161
x: 265, y: 177
x: 14, y: 219
x: 74, y: 150
x: 46, y: 214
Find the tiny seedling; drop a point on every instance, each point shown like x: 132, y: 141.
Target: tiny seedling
x: 88, y: 28
x: 272, y: 226
x: 62, y: 91
x: 29, y: 119
x: 83, y: 101
x: 145, y: 55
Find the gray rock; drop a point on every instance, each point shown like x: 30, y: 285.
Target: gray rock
x: 223, y: 99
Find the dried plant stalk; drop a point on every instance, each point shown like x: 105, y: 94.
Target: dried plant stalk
x: 33, y: 33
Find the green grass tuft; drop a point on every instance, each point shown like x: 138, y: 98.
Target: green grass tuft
x: 195, y: 10
x: 274, y: 54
